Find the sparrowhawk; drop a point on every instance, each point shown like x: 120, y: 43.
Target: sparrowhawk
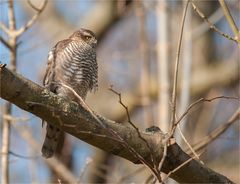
x: 71, y: 62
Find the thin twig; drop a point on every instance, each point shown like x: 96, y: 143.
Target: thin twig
x: 193, y: 105
x: 33, y: 19
x: 202, y: 28
x: 11, y: 44
x: 230, y: 19
x: 33, y: 6
x: 174, y: 93
x: 179, y: 167
x: 129, y: 120
x: 175, y: 82
x: 164, y: 156
x: 38, y: 93
x: 212, y: 26
x: 5, y: 43
x: 82, y: 102
x: 122, y: 104
x: 11, y: 16
x: 200, y: 101
x: 187, y: 61
x: 154, y: 171
x: 216, y: 133
x: 132, y: 124
x: 188, y: 144
x: 112, y: 132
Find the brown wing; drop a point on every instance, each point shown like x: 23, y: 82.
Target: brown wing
x: 52, y: 60
x: 53, y: 134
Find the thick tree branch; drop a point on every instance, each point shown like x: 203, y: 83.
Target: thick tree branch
x: 77, y: 121
x: 73, y: 118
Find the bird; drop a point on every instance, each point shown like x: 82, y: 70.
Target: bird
x: 71, y: 62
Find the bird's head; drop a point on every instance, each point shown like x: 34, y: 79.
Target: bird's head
x: 86, y: 36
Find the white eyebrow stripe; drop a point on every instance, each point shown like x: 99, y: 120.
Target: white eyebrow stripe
x: 87, y: 34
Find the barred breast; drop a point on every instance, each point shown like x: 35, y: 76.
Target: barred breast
x: 71, y: 62
x: 78, y: 68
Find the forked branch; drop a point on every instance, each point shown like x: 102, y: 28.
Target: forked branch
x: 73, y: 119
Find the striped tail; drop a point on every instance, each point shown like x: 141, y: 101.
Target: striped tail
x: 52, y: 139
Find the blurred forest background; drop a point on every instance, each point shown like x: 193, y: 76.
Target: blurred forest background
x: 137, y: 45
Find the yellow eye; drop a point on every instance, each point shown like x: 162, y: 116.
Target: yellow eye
x: 87, y: 37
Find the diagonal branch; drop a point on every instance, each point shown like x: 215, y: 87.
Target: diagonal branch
x: 216, y: 133
x: 4, y: 28
x: 114, y: 133
x: 5, y: 43
x: 201, y: 100
x: 229, y: 19
x: 33, y: 19
x: 212, y: 26
x: 136, y: 128
x: 73, y: 118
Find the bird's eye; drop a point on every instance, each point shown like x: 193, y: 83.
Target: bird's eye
x: 87, y: 37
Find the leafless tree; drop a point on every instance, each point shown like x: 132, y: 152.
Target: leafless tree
x: 156, y: 150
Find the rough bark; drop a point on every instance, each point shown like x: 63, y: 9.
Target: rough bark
x: 79, y: 122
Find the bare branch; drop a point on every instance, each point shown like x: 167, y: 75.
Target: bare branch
x: 200, y: 101
x: 20, y: 90
x: 33, y: 6
x: 213, y: 27
x: 217, y: 132
x: 116, y: 135
x: 188, y: 144
x: 202, y: 28
x: 11, y: 44
x: 4, y: 28
x: 11, y: 16
x: 174, y: 92
x: 230, y: 19
x: 164, y: 155
x: 5, y: 43
x: 33, y: 19
x: 153, y: 160
x: 177, y: 168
